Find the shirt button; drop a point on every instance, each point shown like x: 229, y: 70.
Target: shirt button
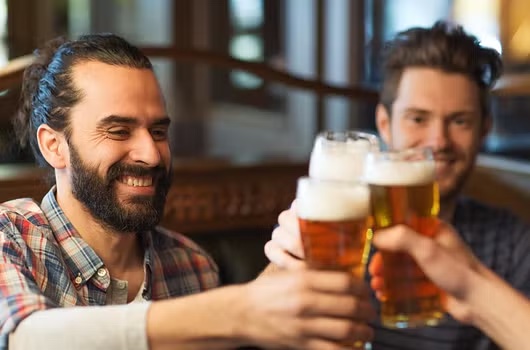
x: 121, y: 285
x: 78, y: 280
x: 102, y: 272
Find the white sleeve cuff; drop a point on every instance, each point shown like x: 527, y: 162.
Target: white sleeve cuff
x: 120, y: 327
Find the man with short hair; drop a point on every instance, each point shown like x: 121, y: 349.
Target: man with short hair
x: 436, y: 93
x: 88, y: 268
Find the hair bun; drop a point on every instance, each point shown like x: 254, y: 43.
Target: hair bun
x: 44, y: 55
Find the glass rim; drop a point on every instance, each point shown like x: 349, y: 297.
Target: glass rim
x: 399, y: 154
x: 341, y: 183
x: 328, y: 135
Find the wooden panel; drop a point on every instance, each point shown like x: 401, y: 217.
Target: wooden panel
x: 503, y: 183
x: 223, y: 198
x: 17, y: 181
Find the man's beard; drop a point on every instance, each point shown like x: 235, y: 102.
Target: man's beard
x: 99, y: 196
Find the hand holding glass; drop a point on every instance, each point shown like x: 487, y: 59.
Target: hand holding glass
x: 404, y: 191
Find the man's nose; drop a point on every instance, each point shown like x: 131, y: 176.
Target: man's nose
x: 144, y: 150
x: 438, y: 137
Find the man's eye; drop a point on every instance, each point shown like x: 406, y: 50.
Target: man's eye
x: 118, y: 134
x: 417, y: 119
x: 461, y: 122
x: 159, y: 134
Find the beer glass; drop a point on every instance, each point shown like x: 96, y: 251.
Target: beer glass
x: 339, y: 155
x: 334, y: 217
x: 403, y: 191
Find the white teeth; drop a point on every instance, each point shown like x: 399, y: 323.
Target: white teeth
x: 137, y: 181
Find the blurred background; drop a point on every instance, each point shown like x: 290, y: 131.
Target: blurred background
x: 249, y: 83
x: 220, y: 112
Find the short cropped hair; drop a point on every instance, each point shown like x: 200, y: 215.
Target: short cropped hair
x: 443, y: 46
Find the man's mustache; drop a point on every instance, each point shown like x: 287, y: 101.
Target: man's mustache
x: 444, y: 155
x: 122, y: 169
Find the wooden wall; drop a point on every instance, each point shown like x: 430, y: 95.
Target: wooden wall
x: 503, y: 183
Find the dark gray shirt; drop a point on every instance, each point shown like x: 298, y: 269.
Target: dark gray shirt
x: 502, y: 242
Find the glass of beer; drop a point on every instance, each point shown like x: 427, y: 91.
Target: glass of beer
x: 334, y: 217
x: 339, y: 155
x: 404, y: 191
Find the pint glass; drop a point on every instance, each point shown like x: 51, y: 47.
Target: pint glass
x: 334, y: 217
x: 340, y: 155
x: 403, y: 191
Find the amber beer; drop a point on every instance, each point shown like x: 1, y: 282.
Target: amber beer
x: 403, y: 191
x: 334, y: 217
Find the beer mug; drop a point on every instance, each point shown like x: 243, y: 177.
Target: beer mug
x: 334, y: 217
x: 404, y: 191
x: 339, y: 155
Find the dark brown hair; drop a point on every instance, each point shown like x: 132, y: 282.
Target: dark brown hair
x: 443, y: 46
x: 48, y: 91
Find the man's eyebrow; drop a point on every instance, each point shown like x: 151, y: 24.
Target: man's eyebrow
x: 421, y: 111
x: 116, y: 119
x: 164, y: 121
x: 462, y: 113
x: 416, y: 110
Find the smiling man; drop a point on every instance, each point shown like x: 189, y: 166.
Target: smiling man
x: 436, y: 93
x: 88, y: 267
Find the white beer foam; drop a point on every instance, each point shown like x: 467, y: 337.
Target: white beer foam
x: 336, y: 166
x: 340, y: 161
x: 359, y: 145
x: 324, y: 201
x: 399, y: 173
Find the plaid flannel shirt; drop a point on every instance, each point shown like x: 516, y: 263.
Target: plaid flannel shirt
x: 44, y: 263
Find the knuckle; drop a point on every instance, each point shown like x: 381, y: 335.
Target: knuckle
x: 284, y: 215
x: 348, y: 283
x: 429, y: 253
x: 276, y: 233
x: 298, y: 330
x: 300, y: 305
x: 401, y: 230
x: 268, y: 249
x: 346, y: 330
x: 353, y: 305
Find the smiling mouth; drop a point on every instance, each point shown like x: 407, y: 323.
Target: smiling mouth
x: 136, y: 181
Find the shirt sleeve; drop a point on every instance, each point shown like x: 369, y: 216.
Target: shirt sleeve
x: 20, y: 295
x: 84, y: 328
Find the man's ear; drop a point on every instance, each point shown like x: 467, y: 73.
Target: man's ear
x: 53, y: 146
x: 382, y: 121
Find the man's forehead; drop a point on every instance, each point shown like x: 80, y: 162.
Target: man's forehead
x: 429, y: 88
x: 108, y: 90
x: 89, y: 68
x: 90, y: 71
